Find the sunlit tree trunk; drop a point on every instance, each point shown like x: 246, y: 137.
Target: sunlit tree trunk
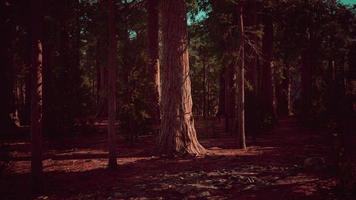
x: 36, y: 96
x: 178, y: 135
x: 111, y: 86
x: 240, y: 84
x: 153, y: 71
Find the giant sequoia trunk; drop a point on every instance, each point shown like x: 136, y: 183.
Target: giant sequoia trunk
x: 178, y: 135
x: 153, y: 73
x: 36, y: 98
x: 111, y: 86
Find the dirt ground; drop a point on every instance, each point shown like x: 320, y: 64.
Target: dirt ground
x: 288, y: 163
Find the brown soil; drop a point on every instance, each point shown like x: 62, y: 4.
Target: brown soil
x: 271, y: 168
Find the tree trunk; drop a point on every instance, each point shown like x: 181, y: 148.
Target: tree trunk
x: 111, y: 86
x: 221, y: 108
x: 289, y: 93
x: 306, y: 84
x: 102, y: 77
x: 284, y: 93
x: 6, y: 69
x: 204, y: 91
x: 153, y: 71
x: 36, y: 97
x: 178, y: 135
x: 230, y: 98
x: 251, y: 59
x: 267, y: 84
x: 102, y: 65
x: 240, y: 84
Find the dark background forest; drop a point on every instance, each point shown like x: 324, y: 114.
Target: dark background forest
x: 165, y: 99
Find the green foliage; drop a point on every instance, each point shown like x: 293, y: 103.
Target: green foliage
x: 76, y: 41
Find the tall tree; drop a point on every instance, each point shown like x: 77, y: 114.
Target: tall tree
x: 241, y: 84
x: 101, y: 64
x: 36, y: 97
x: 267, y: 80
x: 111, y: 85
x: 153, y: 71
x: 6, y: 69
x: 178, y: 134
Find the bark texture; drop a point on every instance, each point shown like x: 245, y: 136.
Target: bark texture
x: 178, y: 135
x: 111, y: 86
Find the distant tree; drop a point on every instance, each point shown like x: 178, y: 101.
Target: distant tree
x: 178, y: 134
x: 36, y: 99
x: 267, y: 96
x: 101, y: 63
x: 111, y: 85
x: 7, y: 68
x: 153, y: 68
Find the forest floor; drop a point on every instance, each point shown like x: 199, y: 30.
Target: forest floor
x: 287, y: 163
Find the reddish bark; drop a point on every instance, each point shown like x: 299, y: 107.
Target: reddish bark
x: 178, y: 135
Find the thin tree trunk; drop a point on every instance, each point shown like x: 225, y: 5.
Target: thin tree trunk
x: 178, y: 135
x: 6, y: 69
x: 267, y: 80
x: 204, y: 91
x: 36, y: 97
x: 207, y: 105
x: 240, y: 84
x: 250, y: 15
x: 307, y: 83
x: 289, y: 91
x: 230, y: 98
x: 102, y: 65
x: 221, y: 108
x: 111, y: 86
x: 27, y: 101
x: 153, y: 70
x: 284, y: 93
